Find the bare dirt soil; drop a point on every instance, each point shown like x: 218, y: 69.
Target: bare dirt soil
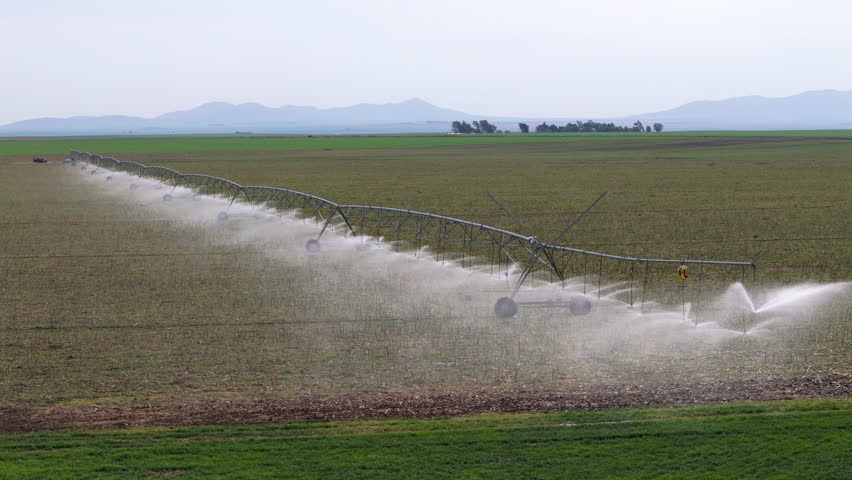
x: 433, y: 403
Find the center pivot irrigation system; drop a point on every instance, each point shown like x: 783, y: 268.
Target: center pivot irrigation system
x: 505, y: 250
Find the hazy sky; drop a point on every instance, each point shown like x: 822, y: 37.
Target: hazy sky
x: 520, y: 58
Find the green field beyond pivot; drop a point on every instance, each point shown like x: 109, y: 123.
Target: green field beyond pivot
x: 797, y: 439
x: 210, y: 143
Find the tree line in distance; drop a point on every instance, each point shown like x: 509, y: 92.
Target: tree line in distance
x: 589, y: 126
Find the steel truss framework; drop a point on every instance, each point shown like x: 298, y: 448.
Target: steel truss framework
x: 464, y: 242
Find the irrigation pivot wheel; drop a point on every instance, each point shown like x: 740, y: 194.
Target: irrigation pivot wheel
x: 579, y: 305
x: 505, y: 307
x: 313, y: 245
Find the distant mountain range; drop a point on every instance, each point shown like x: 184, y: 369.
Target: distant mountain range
x: 809, y: 110
x: 823, y: 109
x: 221, y: 117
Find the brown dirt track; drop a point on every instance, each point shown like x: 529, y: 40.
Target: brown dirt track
x: 433, y: 403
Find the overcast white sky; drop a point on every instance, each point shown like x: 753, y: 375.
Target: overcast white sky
x: 515, y: 58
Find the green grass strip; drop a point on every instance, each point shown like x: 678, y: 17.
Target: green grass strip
x: 795, y: 439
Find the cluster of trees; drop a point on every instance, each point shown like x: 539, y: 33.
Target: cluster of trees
x: 591, y: 126
x: 481, y: 126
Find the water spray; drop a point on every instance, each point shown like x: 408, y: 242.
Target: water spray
x: 467, y: 287
x: 521, y: 255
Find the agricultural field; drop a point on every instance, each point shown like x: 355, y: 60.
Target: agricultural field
x: 792, y: 439
x: 119, y: 309
x: 780, y: 200
x: 246, y: 143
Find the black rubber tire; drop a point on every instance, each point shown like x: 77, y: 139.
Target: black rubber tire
x: 134, y: 186
x: 167, y: 197
x: 505, y: 307
x: 313, y: 245
x: 108, y: 178
x: 579, y: 305
x: 222, y: 217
